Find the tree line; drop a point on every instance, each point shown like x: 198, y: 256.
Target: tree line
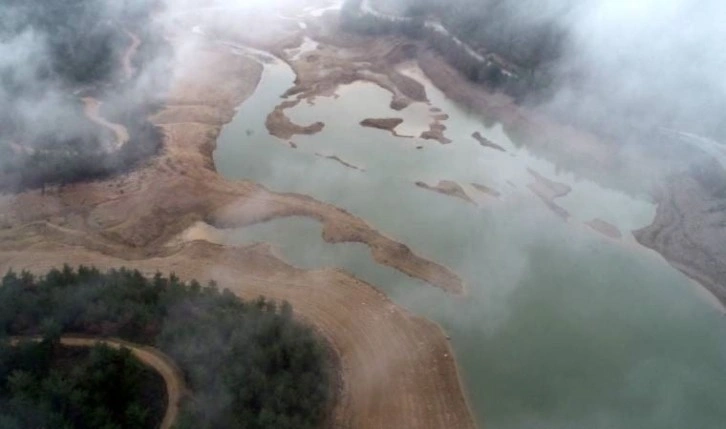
x: 483, y: 40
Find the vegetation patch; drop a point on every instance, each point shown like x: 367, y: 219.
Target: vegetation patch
x: 46, y: 385
x: 249, y: 364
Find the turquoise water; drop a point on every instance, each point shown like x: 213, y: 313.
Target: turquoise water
x: 561, y: 328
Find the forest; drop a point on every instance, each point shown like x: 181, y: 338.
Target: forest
x: 520, y: 31
x: 248, y: 364
x: 46, y: 385
x: 505, y: 45
x: 53, y: 53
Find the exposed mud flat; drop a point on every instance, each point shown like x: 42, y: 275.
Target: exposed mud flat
x: 279, y: 125
x: 486, y: 190
x: 549, y: 190
x: 605, y: 228
x: 689, y: 229
x: 591, y: 156
x: 447, y: 187
x: 486, y: 142
x: 386, y: 124
x: 343, y: 58
x: 436, y: 132
x: 340, y: 161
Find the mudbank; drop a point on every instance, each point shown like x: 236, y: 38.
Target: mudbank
x: 689, y: 229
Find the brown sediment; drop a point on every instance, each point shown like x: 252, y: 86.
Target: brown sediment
x: 340, y: 161
x: 605, y: 228
x: 689, y: 228
x: 411, y: 88
x: 436, y: 132
x: 399, y: 103
x: 343, y: 58
x: 387, y: 124
x: 436, y: 128
x: 548, y: 190
x: 556, y: 209
x: 339, y: 226
x: 279, y: 125
x: 486, y: 142
x: 447, y: 187
x: 486, y: 190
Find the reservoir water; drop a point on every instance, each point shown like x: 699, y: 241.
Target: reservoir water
x: 561, y: 328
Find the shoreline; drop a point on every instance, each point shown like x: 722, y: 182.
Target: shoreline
x: 590, y: 153
x: 385, y: 250
x: 548, y: 191
x: 677, y: 232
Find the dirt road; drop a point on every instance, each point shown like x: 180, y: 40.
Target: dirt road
x: 92, y: 109
x: 128, y: 67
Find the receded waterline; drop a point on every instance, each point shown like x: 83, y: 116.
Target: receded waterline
x: 561, y: 328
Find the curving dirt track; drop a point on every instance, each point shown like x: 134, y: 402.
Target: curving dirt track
x: 128, y: 67
x: 92, y: 109
x: 149, y: 356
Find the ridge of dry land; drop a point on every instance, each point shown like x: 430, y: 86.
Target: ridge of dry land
x: 689, y: 228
